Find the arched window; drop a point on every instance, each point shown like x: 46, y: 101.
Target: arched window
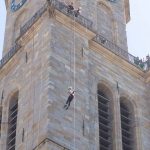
x: 12, y: 122
x: 126, y: 125
x: 105, y: 118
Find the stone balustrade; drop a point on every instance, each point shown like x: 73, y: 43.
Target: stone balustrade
x: 9, y: 55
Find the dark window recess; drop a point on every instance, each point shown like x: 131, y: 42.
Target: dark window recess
x: 12, y: 125
x: 26, y: 57
x: 23, y: 135
x: 105, y: 124
x: 127, y: 128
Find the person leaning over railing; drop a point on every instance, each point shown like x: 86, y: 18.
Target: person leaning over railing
x: 70, y: 7
x: 77, y: 12
x: 148, y: 61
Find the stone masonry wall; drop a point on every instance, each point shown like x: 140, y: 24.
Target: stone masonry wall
x: 58, y: 57
x: 90, y: 9
x: 91, y: 68
x: 18, y: 19
x: 97, y: 11
x: 30, y: 77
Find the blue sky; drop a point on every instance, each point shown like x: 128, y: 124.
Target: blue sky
x: 138, y: 29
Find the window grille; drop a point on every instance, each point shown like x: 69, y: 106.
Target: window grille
x: 105, y: 127
x: 12, y: 125
x: 127, y: 127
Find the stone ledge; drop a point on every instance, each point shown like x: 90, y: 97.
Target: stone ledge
x: 117, y: 60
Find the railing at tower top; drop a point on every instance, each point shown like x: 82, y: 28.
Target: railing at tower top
x: 120, y: 52
x: 9, y: 55
x: 114, y: 48
x: 99, y: 39
x: 32, y: 21
x: 62, y: 7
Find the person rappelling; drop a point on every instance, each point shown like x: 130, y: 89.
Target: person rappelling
x: 71, y: 93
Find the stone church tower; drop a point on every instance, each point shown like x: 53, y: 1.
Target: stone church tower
x: 49, y: 47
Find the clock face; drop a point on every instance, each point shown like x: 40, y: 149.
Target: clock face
x: 16, y: 5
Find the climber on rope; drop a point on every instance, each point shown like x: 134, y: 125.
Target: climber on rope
x: 70, y: 7
x: 71, y: 93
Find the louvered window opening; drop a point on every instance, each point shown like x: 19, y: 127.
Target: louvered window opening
x: 127, y: 129
x: 105, y: 123
x: 12, y: 125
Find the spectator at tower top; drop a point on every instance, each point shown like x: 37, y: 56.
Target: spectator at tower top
x: 78, y: 12
x: 70, y: 7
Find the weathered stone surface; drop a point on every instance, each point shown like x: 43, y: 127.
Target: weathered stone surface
x: 56, y: 57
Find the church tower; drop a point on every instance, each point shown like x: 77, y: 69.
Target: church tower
x: 49, y: 47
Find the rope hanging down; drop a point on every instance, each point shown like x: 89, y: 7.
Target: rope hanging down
x: 71, y: 90
x: 74, y: 84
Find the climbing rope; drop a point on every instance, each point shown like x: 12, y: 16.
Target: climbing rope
x: 74, y: 83
x: 70, y: 83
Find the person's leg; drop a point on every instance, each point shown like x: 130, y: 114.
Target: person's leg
x: 65, y: 105
x: 68, y: 105
x: 69, y: 101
